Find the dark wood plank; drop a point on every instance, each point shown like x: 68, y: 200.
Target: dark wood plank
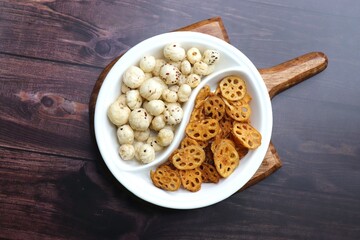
x: 29, y: 193
x: 81, y: 34
x: 45, y: 196
x: 285, y: 75
x: 212, y: 26
x: 44, y: 106
x: 68, y: 36
x: 315, y: 195
x: 78, y: 32
x: 75, y: 37
x: 59, y: 198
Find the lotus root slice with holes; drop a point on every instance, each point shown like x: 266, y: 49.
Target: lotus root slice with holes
x: 203, y: 130
x: 232, y: 88
x: 237, y: 110
x: 191, y: 179
x: 188, y: 142
x: 197, y: 114
x: 225, y: 126
x: 226, y: 159
x: 209, y: 173
x: 240, y: 113
x: 166, y: 178
x: 188, y: 158
x: 202, y: 95
x: 214, y: 107
x: 219, y: 140
x: 246, y: 135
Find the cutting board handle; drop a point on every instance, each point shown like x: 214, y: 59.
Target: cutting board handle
x: 280, y: 77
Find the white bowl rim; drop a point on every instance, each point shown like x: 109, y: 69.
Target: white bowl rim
x: 121, y: 174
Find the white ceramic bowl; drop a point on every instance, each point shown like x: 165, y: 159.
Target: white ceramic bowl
x: 135, y: 176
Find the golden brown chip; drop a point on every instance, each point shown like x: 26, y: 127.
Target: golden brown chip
x: 219, y: 140
x: 214, y: 107
x: 237, y: 110
x: 191, y: 179
x: 217, y: 91
x: 197, y: 114
x: 215, y: 143
x: 203, y: 130
x: 241, y: 150
x: 208, y: 152
x: 202, y: 95
x: 189, y: 157
x: 202, y: 144
x: 246, y: 99
x: 246, y: 135
x: 188, y: 142
x: 209, y: 173
x: 232, y: 88
x: 226, y: 159
x: 166, y: 178
x: 225, y: 126
x: 240, y: 114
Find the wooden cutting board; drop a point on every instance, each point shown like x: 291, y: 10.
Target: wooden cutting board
x: 277, y: 79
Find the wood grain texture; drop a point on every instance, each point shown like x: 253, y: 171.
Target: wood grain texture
x: 294, y: 71
x: 52, y: 185
x: 212, y: 26
x: 80, y: 200
x: 46, y: 111
x: 270, y: 164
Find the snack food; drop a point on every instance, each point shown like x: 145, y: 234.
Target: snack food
x: 197, y: 114
x: 218, y: 135
x: 232, y: 88
x: 203, y: 130
x: 152, y: 94
x: 187, y: 141
x: 166, y: 178
x: 191, y: 179
x: 188, y: 158
x: 226, y: 158
x: 238, y: 110
x: 248, y: 136
x: 202, y: 95
x: 209, y: 173
x: 214, y: 107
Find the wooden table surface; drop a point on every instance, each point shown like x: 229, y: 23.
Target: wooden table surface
x: 53, y: 182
